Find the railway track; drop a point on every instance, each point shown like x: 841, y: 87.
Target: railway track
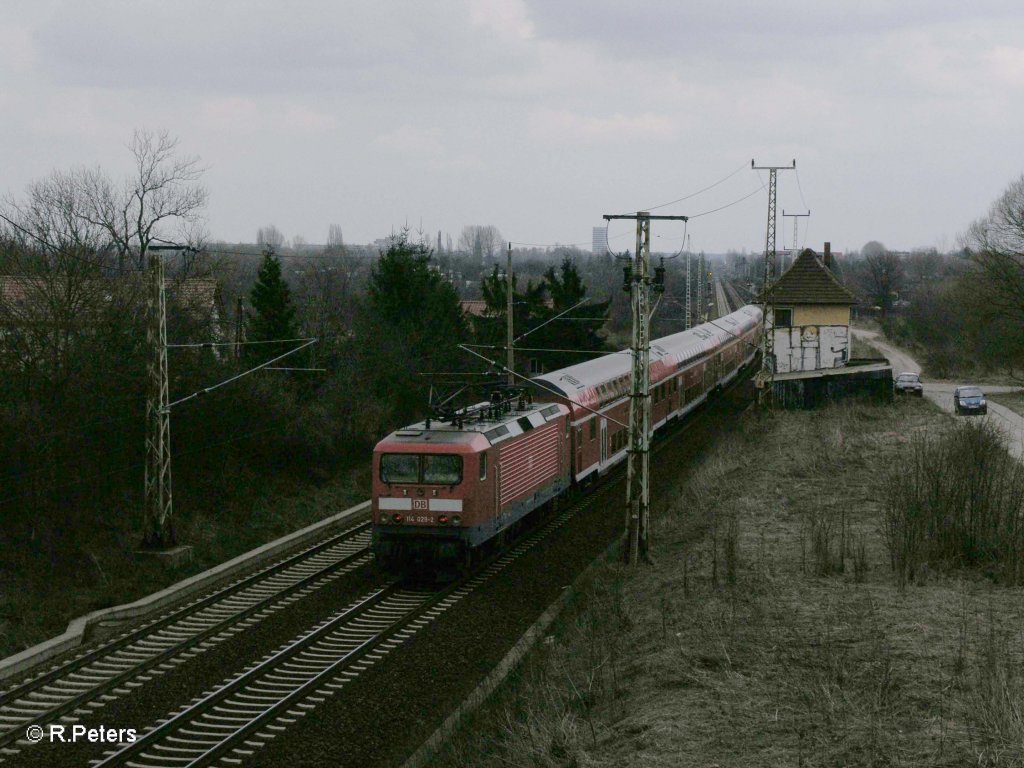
x: 228, y: 724
x: 91, y: 679
x: 732, y: 296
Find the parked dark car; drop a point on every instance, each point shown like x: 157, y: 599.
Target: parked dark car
x: 969, y: 400
x: 909, y: 384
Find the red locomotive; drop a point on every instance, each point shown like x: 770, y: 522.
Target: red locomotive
x: 446, y: 491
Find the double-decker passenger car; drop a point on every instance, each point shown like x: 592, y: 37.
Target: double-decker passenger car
x: 449, y: 490
x: 685, y: 369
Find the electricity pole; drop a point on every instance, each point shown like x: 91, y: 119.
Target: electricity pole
x: 239, y: 328
x: 795, y: 217
x: 509, y: 285
x: 639, y: 281
x: 701, y: 291
x: 158, y: 527
x: 766, y: 376
x: 689, y: 294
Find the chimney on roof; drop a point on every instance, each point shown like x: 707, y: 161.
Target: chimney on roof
x: 827, y: 258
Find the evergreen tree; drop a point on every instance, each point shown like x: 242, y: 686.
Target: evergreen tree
x: 579, y: 329
x: 273, y: 315
x: 536, y: 305
x: 411, y: 324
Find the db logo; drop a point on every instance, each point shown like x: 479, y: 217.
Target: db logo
x: 419, y: 503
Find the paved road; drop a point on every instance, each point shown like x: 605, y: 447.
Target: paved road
x: 941, y: 392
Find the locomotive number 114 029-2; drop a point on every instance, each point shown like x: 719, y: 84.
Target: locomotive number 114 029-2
x: 420, y: 519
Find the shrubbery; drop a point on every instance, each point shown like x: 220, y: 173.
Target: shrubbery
x: 957, y: 500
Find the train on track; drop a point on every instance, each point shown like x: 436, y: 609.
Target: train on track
x: 453, y: 490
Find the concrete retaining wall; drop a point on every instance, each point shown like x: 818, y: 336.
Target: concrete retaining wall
x: 79, y: 629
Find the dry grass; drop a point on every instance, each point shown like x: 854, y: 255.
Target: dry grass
x: 772, y: 631
x: 862, y: 347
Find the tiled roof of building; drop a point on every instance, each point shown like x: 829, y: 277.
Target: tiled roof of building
x: 196, y: 295
x: 808, y: 281
x: 474, y: 307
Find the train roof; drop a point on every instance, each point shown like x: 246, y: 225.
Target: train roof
x: 495, y: 427
x: 582, y: 382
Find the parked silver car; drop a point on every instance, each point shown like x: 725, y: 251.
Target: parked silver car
x: 969, y: 400
x: 909, y: 384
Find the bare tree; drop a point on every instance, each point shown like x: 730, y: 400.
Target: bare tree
x: 161, y: 201
x: 335, y: 239
x: 270, y: 235
x: 996, y: 246
x: 872, y: 248
x: 924, y: 266
x: 884, y: 278
x: 52, y: 274
x: 481, y: 242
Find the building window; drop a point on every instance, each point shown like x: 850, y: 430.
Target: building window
x: 783, y: 318
x: 535, y: 366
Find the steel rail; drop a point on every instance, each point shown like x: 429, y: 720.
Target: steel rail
x: 211, y: 747
x: 256, y: 705
x: 24, y: 699
x: 207, y: 743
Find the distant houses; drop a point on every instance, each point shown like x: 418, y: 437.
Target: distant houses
x: 37, y: 313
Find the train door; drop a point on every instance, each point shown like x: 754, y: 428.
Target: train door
x: 604, y: 441
x: 579, y: 449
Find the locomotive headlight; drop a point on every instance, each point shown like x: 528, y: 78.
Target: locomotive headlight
x: 456, y: 520
x: 398, y: 518
x: 382, y: 519
x: 443, y: 519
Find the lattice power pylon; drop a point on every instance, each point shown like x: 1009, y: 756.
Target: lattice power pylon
x: 158, y: 525
x: 796, y: 220
x: 689, y: 292
x: 766, y: 376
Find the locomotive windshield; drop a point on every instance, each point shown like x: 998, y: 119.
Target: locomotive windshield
x: 427, y: 469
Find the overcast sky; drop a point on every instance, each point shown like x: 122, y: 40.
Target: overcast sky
x: 906, y: 118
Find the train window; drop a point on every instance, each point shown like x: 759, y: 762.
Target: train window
x: 524, y: 423
x: 593, y: 429
x: 494, y: 434
x: 442, y: 469
x: 400, y: 468
x: 433, y: 469
x: 550, y: 412
x: 483, y: 466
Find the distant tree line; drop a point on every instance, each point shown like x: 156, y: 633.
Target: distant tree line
x: 73, y: 350
x: 962, y: 311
